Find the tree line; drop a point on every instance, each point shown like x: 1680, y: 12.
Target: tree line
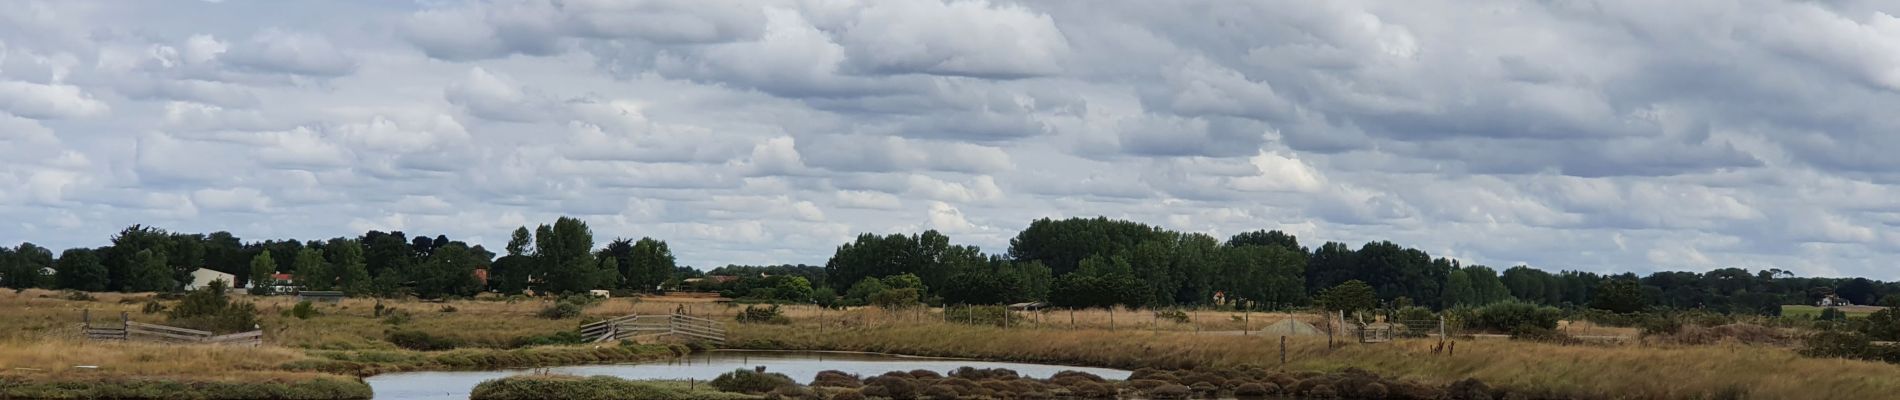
x: 1075, y: 262
x: 1097, y: 262
x: 558, y: 257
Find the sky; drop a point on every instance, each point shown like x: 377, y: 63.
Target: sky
x: 1588, y: 135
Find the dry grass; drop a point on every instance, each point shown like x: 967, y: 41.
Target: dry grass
x: 1603, y: 371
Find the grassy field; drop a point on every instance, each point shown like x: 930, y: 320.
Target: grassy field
x: 347, y: 340
x: 1625, y: 371
x: 1813, y: 311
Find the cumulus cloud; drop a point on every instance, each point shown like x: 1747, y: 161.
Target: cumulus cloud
x: 1597, y: 136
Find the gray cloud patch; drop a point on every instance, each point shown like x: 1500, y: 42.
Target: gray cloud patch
x: 1599, y: 136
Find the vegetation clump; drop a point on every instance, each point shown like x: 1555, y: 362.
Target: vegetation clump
x: 770, y: 314
x: 212, y: 309
x: 535, y: 387
x: 750, y: 381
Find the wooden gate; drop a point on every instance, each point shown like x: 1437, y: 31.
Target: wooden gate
x: 131, y: 330
x: 643, y: 326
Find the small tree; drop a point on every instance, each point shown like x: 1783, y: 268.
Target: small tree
x: 1619, y: 296
x: 1350, y: 296
x: 312, y: 272
x: 263, y: 273
x: 149, y: 273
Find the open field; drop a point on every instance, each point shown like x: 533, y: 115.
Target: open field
x: 347, y: 340
x: 1813, y: 311
x: 1603, y: 371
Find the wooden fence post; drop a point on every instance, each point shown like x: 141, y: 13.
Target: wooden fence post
x: 1246, y: 321
x: 1282, y: 352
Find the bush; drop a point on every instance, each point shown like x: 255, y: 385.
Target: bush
x: 750, y: 381
x: 836, y: 379
x: 75, y: 295
x: 396, y: 317
x: 1415, y: 314
x: 211, y: 309
x: 303, y: 310
x: 1513, y: 316
x: 152, y: 307
x: 535, y: 387
x: 891, y: 387
x: 557, y: 338
x: 897, y: 298
x: 1658, y: 325
x: 421, y: 341
x: 448, y: 308
x: 1170, y: 392
x: 763, y: 315
x: 560, y: 310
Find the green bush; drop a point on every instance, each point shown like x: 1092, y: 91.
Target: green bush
x: 897, y: 298
x: 152, y: 307
x: 303, y: 310
x: 1832, y: 314
x: 535, y: 387
x: 421, y: 341
x: 1512, y: 316
x: 1415, y: 314
x: 560, y: 310
x: 750, y: 381
x: 763, y: 315
x: 557, y: 338
x: 212, y: 309
x: 1657, y: 324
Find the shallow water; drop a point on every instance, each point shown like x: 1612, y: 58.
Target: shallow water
x: 801, y: 366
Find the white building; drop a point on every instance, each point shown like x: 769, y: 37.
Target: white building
x: 203, y: 277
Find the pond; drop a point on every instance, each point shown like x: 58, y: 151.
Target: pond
x: 801, y: 366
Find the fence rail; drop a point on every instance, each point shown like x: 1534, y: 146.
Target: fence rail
x: 640, y: 326
x: 128, y: 330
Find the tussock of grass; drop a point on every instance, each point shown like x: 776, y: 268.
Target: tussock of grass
x: 139, y: 389
x: 372, y: 362
x: 1595, y: 371
x: 535, y: 387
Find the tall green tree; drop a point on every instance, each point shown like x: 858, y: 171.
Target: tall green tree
x: 1352, y: 296
x: 121, y: 257
x: 651, y: 261
x: 352, y: 271
x: 80, y: 269
x: 1458, y: 290
x: 564, y: 254
x: 1618, y: 295
x: 311, y: 272
x: 449, y: 271
x: 149, y: 273
x: 263, y: 273
x: 24, y: 267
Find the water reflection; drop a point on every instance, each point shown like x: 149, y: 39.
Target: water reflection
x: 801, y: 366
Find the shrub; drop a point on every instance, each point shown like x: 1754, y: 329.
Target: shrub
x: 303, y: 310
x: 211, y: 309
x: 560, y: 310
x: 763, y: 315
x: 1177, y: 316
x: 1415, y: 314
x: 75, y: 295
x: 892, y: 387
x: 1658, y: 325
x: 940, y: 392
x: 152, y: 307
x: 1509, y: 316
x: 1170, y: 392
x: 448, y: 308
x: 897, y: 298
x: 421, y: 341
x: 1252, y: 389
x: 750, y: 381
x: 836, y: 379
x: 557, y: 338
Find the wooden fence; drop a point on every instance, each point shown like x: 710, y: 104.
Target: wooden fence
x: 643, y: 326
x: 131, y: 330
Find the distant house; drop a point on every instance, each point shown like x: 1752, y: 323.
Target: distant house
x: 283, y: 284
x: 1833, y: 301
x: 203, y: 277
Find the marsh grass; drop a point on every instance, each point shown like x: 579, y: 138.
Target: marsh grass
x: 535, y: 387
x: 1598, y: 371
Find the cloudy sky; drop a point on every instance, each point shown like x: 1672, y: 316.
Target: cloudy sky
x: 1594, y: 135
